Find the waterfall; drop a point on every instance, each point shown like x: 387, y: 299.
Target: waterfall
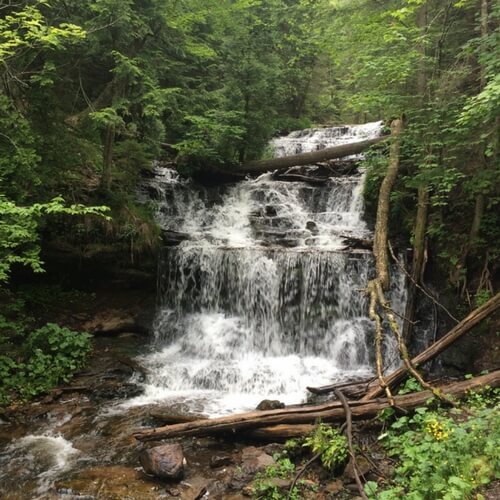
x: 262, y: 298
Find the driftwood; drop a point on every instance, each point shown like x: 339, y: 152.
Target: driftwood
x: 470, y: 321
x: 329, y: 412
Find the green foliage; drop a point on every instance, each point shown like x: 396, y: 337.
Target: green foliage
x: 27, y: 29
x: 410, y: 385
x: 264, y: 489
x: 483, y: 398
x: 482, y: 296
x: 19, y: 231
x: 330, y: 444
x: 442, y: 456
x: 48, y: 356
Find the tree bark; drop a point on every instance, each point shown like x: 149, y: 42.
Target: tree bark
x: 279, y: 433
x: 474, y: 318
x: 330, y: 412
x: 382, y: 225
x: 480, y: 202
x: 419, y: 242
x: 263, y: 166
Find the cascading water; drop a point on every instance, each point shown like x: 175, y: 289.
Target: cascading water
x: 259, y: 300
x: 262, y: 299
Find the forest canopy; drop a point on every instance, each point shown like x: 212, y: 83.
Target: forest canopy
x: 91, y: 92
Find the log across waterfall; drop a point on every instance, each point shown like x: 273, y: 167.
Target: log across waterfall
x: 308, y: 158
x: 263, y: 297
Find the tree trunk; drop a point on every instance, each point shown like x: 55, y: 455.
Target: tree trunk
x: 419, y: 260
x: 474, y: 318
x: 330, y: 412
x: 286, y: 162
x: 419, y: 246
x: 480, y: 197
x: 382, y: 225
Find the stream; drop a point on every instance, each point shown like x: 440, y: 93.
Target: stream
x: 261, y: 298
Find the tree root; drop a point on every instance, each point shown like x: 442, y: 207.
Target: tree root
x: 348, y: 418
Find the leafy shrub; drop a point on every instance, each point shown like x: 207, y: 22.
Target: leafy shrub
x: 330, y: 444
x: 52, y: 354
x: 411, y: 385
x: 441, y: 457
x: 265, y: 489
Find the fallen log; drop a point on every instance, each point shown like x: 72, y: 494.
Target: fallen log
x: 311, y: 158
x: 308, y: 179
x: 174, y: 418
x: 329, y: 412
x: 350, y: 389
x: 470, y: 321
x: 353, y: 242
x: 279, y: 433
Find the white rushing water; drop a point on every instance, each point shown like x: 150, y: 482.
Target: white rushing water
x: 261, y: 299
x: 41, y: 456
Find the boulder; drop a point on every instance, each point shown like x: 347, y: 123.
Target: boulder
x: 165, y: 462
x: 270, y: 404
x: 253, y: 460
x: 363, y: 467
x: 334, y: 487
x: 173, y: 238
x: 220, y: 461
x: 312, y: 226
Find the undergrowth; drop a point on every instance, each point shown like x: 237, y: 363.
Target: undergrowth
x: 34, y: 360
x: 324, y: 441
x: 443, y: 454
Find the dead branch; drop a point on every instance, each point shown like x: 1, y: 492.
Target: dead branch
x: 301, y: 471
x: 419, y: 286
x: 348, y: 419
x: 470, y: 321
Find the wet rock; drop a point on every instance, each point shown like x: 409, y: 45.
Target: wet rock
x: 312, y: 226
x: 114, y: 389
x: 220, y: 461
x: 68, y: 494
x: 273, y: 448
x: 253, y: 460
x: 166, y: 461
x: 271, y: 211
x: 363, y: 467
x: 334, y: 487
x: 270, y: 404
x: 112, y: 321
x: 173, y: 238
x: 248, y: 490
x: 283, y: 484
x: 173, y: 492
x: 112, y: 482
